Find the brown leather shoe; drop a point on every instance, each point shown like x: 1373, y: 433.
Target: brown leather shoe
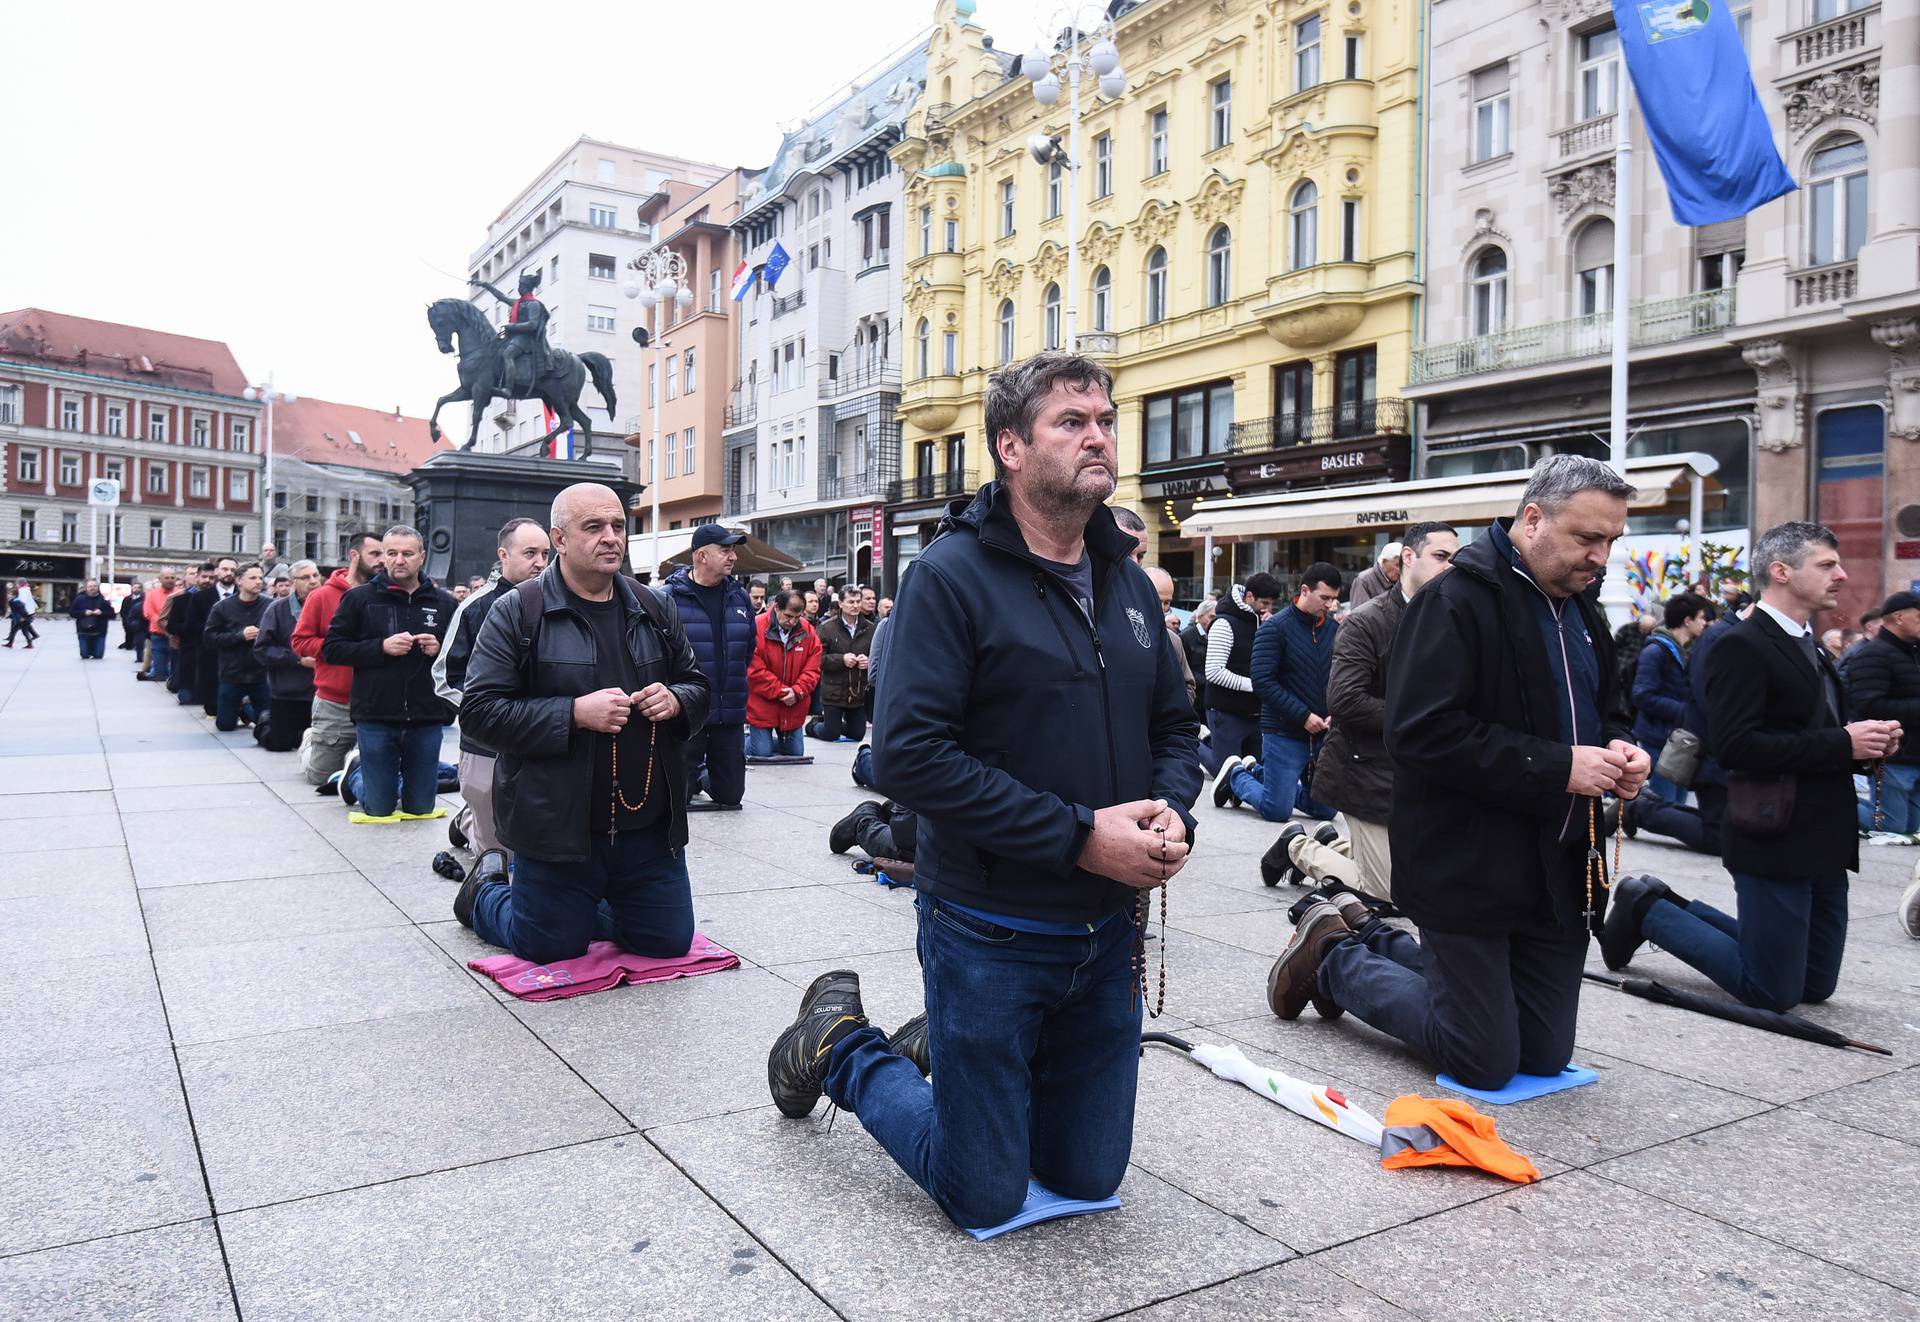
x: 1294, y: 978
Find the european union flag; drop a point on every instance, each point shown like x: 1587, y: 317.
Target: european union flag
x: 777, y: 261
x: 1709, y: 133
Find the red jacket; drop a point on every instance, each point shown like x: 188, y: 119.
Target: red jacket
x: 334, y: 683
x: 773, y: 669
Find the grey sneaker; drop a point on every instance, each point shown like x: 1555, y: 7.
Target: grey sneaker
x: 797, y: 1065
x: 910, y: 1040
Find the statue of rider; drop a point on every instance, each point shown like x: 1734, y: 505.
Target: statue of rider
x: 524, y: 357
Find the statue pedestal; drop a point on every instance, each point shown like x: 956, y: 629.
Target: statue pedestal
x: 461, y: 499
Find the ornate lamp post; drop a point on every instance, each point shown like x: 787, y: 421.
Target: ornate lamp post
x: 1045, y: 72
x: 267, y: 393
x: 662, y: 287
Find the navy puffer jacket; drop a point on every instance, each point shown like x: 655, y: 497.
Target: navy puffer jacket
x: 725, y: 667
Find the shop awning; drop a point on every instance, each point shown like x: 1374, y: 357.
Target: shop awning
x: 1473, y: 498
x: 672, y: 542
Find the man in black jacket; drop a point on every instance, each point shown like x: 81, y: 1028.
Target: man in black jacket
x: 133, y: 622
x: 1777, y: 714
x: 1355, y: 774
x: 91, y: 613
x: 718, y: 616
x: 206, y: 675
x: 1034, y: 717
x: 232, y: 626
x: 1883, y: 684
x: 1503, y: 728
x: 186, y: 617
x: 289, y: 675
x: 584, y: 685
x: 389, y: 630
x: 522, y: 554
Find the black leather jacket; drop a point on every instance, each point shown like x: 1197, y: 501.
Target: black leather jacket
x: 522, y: 708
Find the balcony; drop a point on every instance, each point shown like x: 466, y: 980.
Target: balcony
x: 877, y: 261
x: 932, y: 486
x: 1836, y: 39
x: 1342, y: 422
x: 743, y: 407
x: 1591, y: 137
x: 1819, y: 285
x: 1665, y: 321
x: 932, y: 402
x: 791, y: 303
x: 933, y: 115
x: 875, y: 376
x: 1099, y: 344
x: 856, y: 486
x: 735, y: 502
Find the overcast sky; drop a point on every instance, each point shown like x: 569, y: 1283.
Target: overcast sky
x: 285, y: 178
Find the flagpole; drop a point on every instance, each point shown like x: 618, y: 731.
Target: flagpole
x: 1622, y: 290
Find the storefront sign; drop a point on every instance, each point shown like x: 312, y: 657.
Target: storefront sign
x: 43, y: 566
x: 1381, y: 516
x: 1384, y: 458
x: 1199, y: 484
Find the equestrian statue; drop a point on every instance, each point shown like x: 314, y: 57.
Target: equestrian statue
x: 516, y: 363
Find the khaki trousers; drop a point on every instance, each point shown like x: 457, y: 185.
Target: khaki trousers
x: 1373, y: 855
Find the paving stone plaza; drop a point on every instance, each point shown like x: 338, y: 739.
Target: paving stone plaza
x: 248, y: 1075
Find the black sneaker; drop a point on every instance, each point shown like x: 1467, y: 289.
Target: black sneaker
x: 1223, y: 795
x: 845, y: 833
x: 1627, y: 906
x: 490, y: 866
x: 1276, y: 865
x: 910, y: 1040
x: 1328, y: 834
x: 797, y: 1065
x: 455, y: 836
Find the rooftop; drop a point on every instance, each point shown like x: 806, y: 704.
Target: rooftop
x: 114, y: 349
x: 321, y: 431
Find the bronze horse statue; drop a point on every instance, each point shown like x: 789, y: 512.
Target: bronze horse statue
x: 558, y: 387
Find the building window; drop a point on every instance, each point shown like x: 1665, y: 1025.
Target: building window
x: 199, y: 436
x: 198, y: 483
x: 312, y: 502
x: 1356, y: 61
x: 1006, y: 207
x: 1719, y: 270
x: 876, y: 246
x: 686, y: 370
x: 11, y: 401
x: 1220, y: 113
x: 157, y: 425
x: 673, y: 376
x: 1189, y: 423
x: 238, y: 539
x: 1053, y: 188
x: 1303, y: 225
x: 953, y: 236
x: 653, y: 385
x: 1050, y: 317
x: 156, y: 479
x: 670, y: 455
x: 713, y: 290
x: 1837, y: 201
x: 1157, y: 142
x: 1293, y: 409
x: 69, y: 470
x: 1156, y: 286
x: 686, y: 466
x: 599, y: 317
x: 1599, y: 73
x: 1306, y: 53
x: 29, y: 465
x: 1827, y: 9
x: 71, y: 415
x: 156, y: 534
x: 113, y: 468
x: 604, y: 171
x: 950, y: 353
x: 69, y: 526
x: 926, y: 230
x: 1593, y: 268
x: 1489, y: 282
x: 923, y: 346
x: 239, y: 437
x: 602, y: 216
x: 1103, y: 166
x: 1353, y: 392
x: 1492, y: 112
x: 29, y: 525
x: 116, y: 419
x: 1350, y: 229
x: 1102, y: 299
x: 197, y: 540
x: 1006, y: 323
x: 237, y: 484
x: 599, y: 267
x: 1219, y: 266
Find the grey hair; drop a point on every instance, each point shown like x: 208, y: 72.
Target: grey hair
x: 1558, y: 478
x: 1014, y: 394
x: 1788, y: 544
x: 299, y: 565
x: 402, y: 530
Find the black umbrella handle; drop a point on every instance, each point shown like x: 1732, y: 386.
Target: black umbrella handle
x: 1167, y: 1040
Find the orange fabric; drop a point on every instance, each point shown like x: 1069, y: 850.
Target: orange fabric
x: 1466, y: 1139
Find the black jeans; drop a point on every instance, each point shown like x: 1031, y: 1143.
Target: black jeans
x: 886, y: 830
x: 206, y: 680
x: 836, y: 721
x: 1482, y: 1008
x: 287, y: 720
x: 717, y: 763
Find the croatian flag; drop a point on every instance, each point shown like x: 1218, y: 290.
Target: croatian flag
x: 777, y: 261
x: 743, y: 278
x: 561, y: 446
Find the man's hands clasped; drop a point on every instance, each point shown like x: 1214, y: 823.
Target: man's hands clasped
x: 1141, y: 844
x: 608, y: 710
x: 1620, y: 769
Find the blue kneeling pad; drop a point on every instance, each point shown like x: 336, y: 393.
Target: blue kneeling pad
x: 1044, y: 1205
x: 1521, y: 1087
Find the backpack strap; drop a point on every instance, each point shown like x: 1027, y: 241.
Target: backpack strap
x: 531, y: 605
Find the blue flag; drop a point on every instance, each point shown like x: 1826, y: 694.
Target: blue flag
x: 777, y: 261
x: 1709, y: 133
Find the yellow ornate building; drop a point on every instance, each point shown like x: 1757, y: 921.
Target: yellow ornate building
x: 1247, y: 240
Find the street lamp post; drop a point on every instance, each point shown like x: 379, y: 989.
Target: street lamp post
x: 662, y: 287
x: 270, y: 396
x: 1044, y: 72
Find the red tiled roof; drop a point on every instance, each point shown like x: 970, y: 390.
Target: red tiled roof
x: 323, y: 432
x: 132, y: 353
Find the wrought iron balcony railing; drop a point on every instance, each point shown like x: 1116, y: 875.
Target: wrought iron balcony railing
x: 866, y: 377
x: 1663, y: 321
x: 933, y: 486
x: 1343, y: 422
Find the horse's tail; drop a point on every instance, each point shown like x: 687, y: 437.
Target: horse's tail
x: 601, y: 371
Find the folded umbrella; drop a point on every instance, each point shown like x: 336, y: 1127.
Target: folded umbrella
x: 1320, y: 1104
x: 1773, y: 1021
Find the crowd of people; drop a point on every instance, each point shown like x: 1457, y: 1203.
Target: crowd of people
x: 1460, y: 706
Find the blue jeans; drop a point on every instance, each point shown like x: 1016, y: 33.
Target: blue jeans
x: 775, y: 743
x: 631, y: 890
x: 93, y: 646
x: 1784, y: 948
x: 238, y: 699
x: 159, y: 656
x: 1273, y: 789
x: 399, y: 767
x: 1036, y: 1048
x: 1899, y: 800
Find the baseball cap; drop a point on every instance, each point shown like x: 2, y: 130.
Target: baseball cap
x: 1900, y: 601
x: 712, y: 534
